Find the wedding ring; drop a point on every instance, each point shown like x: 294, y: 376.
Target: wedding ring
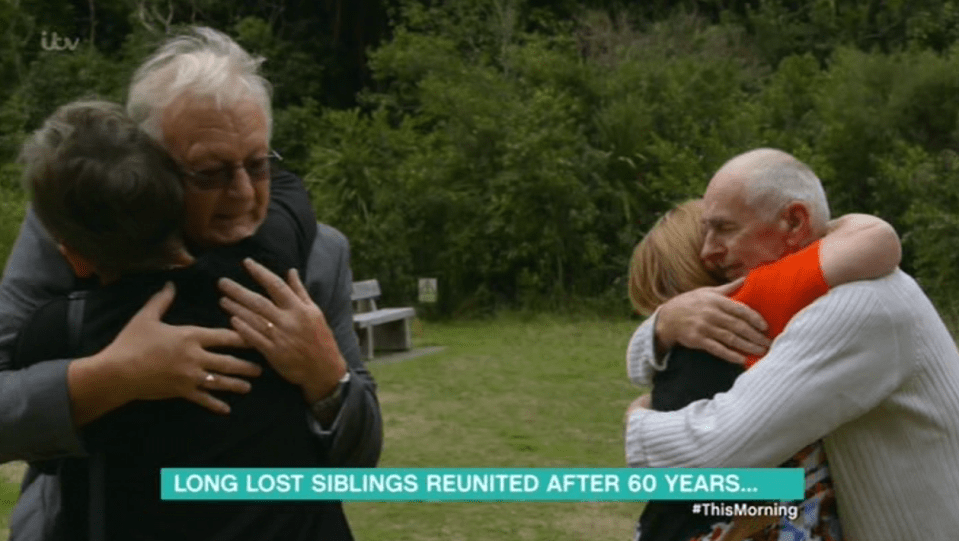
x: 269, y: 325
x: 210, y: 378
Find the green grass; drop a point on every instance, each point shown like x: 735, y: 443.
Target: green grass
x: 540, y: 392
x: 10, y: 475
x: 514, y: 391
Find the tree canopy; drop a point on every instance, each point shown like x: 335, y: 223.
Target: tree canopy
x: 518, y: 149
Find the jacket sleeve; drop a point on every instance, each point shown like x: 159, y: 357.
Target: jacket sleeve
x: 355, y: 438
x: 35, y: 417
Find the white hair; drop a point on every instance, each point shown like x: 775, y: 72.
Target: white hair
x: 773, y: 178
x: 203, y: 64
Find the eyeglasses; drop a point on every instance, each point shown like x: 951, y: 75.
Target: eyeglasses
x: 258, y: 169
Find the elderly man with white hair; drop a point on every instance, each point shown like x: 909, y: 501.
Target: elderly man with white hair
x: 201, y: 97
x: 870, y: 367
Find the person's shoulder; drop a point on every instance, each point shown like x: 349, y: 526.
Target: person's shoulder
x: 896, y: 298
x: 283, y: 177
x: 896, y: 285
x: 331, y: 237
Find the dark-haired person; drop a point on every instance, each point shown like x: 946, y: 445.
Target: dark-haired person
x: 113, y: 200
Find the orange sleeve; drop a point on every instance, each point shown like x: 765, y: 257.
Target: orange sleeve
x: 781, y: 289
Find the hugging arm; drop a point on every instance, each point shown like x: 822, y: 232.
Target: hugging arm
x: 856, y: 247
x: 43, y: 406
x: 305, y: 331
x: 355, y: 437
x: 35, y: 411
x: 705, y: 319
x: 836, y: 360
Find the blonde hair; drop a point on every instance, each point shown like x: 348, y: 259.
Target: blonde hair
x: 666, y: 262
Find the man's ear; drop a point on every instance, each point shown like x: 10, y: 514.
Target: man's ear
x: 796, y: 224
x: 81, y: 266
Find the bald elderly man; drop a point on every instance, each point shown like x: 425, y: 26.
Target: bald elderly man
x: 870, y: 367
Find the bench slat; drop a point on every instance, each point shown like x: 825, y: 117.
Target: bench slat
x: 383, y: 315
x: 365, y: 290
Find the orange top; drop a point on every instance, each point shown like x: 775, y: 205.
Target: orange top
x: 781, y: 289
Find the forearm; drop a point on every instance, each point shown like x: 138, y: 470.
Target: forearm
x: 355, y: 438
x: 96, y: 387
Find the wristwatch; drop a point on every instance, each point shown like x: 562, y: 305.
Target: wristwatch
x: 326, y: 408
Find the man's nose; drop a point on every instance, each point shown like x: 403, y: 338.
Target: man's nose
x: 712, y: 250
x: 241, y: 186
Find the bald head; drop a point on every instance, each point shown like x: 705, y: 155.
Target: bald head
x: 771, y: 179
x: 760, y: 206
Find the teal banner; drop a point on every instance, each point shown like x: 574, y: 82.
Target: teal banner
x: 482, y: 484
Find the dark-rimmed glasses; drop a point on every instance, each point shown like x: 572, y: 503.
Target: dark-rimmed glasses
x: 258, y: 169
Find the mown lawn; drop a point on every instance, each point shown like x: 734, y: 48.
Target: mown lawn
x: 543, y: 392
x: 513, y: 391
x: 10, y: 475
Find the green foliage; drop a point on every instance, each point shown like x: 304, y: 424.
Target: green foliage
x: 12, y: 207
x: 883, y: 121
x: 523, y: 171
x: 931, y: 219
x: 57, y: 77
x: 482, y: 187
x: 518, y: 149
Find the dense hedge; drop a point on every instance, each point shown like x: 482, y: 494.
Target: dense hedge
x: 530, y: 168
x: 517, y: 152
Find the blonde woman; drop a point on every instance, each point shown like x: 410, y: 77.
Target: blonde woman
x: 666, y: 263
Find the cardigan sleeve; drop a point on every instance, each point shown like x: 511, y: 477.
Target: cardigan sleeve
x: 836, y: 360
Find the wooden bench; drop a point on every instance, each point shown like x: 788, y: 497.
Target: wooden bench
x: 383, y: 328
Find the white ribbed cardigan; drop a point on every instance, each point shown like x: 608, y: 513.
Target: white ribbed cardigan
x: 871, y: 367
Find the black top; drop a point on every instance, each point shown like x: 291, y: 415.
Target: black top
x: 266, y: 427
x: 690, y: 375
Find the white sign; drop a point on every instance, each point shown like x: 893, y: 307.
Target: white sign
x: 428, y: 292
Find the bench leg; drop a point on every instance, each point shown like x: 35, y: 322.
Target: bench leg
x: 364, y: 336
x: 393, y: 335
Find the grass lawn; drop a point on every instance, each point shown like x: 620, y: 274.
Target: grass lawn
x: 545, y: 391
x: 10, y: 475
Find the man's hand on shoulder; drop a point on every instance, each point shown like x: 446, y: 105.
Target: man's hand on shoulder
x: 708, y: 320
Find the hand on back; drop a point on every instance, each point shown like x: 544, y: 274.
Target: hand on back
x: 707, y: 319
